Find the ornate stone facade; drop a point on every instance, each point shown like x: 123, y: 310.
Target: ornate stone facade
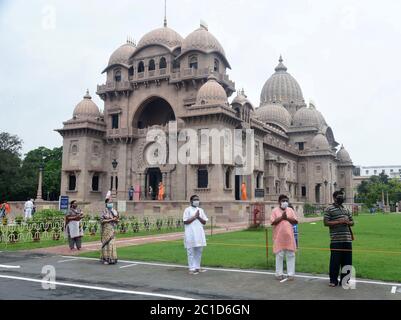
x: 168, y: 78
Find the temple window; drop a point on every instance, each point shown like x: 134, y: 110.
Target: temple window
x: 203, y: 177
x: 95, y: 182
x: 141, y: 67
x: 216, y: 65
x: 114, y: 121
x: 193, y: 62
x: 152, y: 65
x: 72, y: 182
x: 162, y: 63
x: 117, y: 75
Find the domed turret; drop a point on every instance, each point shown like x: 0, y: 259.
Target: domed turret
x: 122, y: 55
x: 211, y: 93
x: 281, y: 87
x: 86, y: 109
x: 309, y: 117
x: 343, y: 155
x: 320, y: 143
x: 274, y: 113
x: 165, y: 37
x: 202, y: 40
x: 241, y: 99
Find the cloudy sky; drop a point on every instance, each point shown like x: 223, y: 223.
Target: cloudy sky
x: 344, y: 53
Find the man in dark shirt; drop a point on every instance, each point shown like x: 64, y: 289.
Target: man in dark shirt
x: 339, y: 220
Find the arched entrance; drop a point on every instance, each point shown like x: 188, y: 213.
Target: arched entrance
x: 153, y: 111
x: 153, y: 177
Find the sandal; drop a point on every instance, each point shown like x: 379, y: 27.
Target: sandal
x: 332, y: 285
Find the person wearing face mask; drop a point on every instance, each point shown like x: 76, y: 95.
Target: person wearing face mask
x: 109, y: 219
x: 73, y: 227
x: 194, y: 239
x: 282, y: 219
x: 339, y: 220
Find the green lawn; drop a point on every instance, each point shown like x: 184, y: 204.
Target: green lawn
x: 376, y: 255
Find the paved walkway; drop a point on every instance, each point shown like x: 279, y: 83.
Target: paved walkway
x: 22, y: 277
x: 95, y: 245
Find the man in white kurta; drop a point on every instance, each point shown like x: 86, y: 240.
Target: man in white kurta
x: 194, y: 240
x: 28, y: 207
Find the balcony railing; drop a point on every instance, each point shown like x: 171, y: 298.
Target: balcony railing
x: 114, y: 86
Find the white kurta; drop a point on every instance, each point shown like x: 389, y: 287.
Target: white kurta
x: 194, y: 232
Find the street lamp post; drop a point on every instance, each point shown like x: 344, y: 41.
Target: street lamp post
x: 114, y: 163
x: 325, y: 191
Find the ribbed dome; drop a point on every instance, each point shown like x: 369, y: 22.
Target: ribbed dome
x: 122, y: 54
x: 211, y: 93
x: 319, y: 142
x: 202, y: 40
x: 281, y: 87
x: 241, y: 99
x: 86, y: 108
x: 343, y: 155
x: 164, y: 37
x: 274, y: 113
x: 309, y: 117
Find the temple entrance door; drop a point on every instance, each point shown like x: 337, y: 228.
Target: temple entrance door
x: 153, y: 177
x: 237, y: 188
x: 317, y: 193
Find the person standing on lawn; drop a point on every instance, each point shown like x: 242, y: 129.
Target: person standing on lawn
x: 282, y: 219
x: 339, y: 220
x: 194, y: 239
x: 108, y: 220
x: 73, y: 225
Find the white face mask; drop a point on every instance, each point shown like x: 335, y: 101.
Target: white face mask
x: 195, y: 203
x: 284, y: 205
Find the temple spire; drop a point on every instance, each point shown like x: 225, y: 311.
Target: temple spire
x: 280, y: 66
x: 165, y: 13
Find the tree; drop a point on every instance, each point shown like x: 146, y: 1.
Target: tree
x: 10, y: 147
x: 10, y: 143
x: 371, y: 191
x: 50, y: 161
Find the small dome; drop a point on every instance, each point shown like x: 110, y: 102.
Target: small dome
x: 211, y: 93
x: 86, y: 108
x: 319, y: 142
x: 122, y: 54
x: 343, y: 155
x: 274, y: 113
x: 241, y: 99
x: 164, y: 37
x: 309, y: 117
x: 202, y: 40
x: 281, y: 87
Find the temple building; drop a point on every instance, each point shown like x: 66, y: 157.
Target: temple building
x: 165, y: 79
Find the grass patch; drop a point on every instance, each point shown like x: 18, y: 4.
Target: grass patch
x: 376, y: 250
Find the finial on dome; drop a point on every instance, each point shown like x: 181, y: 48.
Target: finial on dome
x: 87, y: 95
x: 203, y: 25
x: 165, y: 13
x: 212, y: 77
x: 280, y: 66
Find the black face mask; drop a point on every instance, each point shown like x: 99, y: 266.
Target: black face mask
x: 340, y: 200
